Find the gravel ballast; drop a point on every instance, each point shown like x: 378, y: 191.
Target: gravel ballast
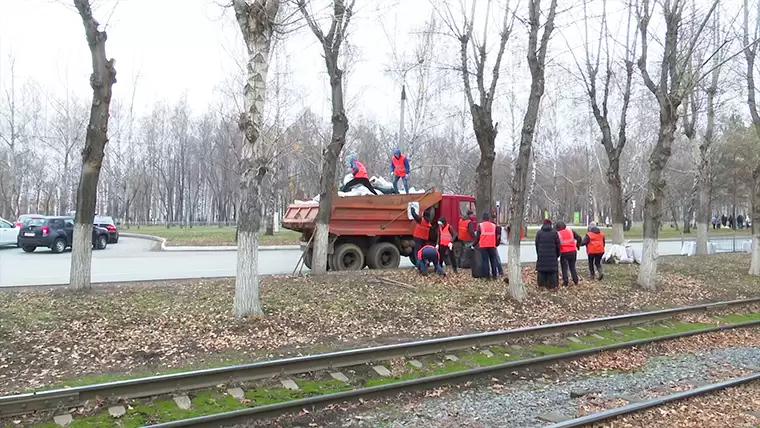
x: 520, y: 403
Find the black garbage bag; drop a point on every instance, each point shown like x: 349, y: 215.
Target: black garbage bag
x: 479, y: 270
x: 465, y: 257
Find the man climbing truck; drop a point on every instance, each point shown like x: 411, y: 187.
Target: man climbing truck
x: 373, y: 231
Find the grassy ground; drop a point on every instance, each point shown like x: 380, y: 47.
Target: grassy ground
x: 57, y: 337
x: 211, y: 235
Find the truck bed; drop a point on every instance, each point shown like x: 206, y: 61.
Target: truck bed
x: 362, y: 215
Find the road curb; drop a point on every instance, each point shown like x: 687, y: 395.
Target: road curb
x: 183, y: 248
x: 160, y: 240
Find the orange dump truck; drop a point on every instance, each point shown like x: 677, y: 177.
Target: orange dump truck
x: 371, y: 230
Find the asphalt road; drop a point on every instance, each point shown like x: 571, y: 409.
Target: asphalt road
x: 132, y: 260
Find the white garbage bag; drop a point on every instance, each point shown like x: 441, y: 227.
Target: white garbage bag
x: 689, y: 248
x: 636, y: 255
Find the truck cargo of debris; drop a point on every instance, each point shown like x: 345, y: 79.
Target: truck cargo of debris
x: 370, y: 230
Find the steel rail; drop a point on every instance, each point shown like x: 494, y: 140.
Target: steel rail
x: 272, y: 410
x: 199, y: 379
x: 654, y: 402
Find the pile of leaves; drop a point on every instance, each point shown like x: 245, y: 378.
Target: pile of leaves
x: 50, y: 337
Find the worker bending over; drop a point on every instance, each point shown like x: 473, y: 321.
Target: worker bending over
x: 446, y: 238
x: 360, y: 176
x: 399, y: 169
x: 428, y: 254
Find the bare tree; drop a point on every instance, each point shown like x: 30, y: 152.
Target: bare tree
x: 701, y: 193
x: 669, y: 92
x: 536, y: 63
x: 750, y: 53
x: 481, y: 104
x: 613, y: 147
x: 102, y: 79
x: 257, y: 22
x: 331, y: 43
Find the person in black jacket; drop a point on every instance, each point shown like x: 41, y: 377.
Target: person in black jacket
x: 547, y: 250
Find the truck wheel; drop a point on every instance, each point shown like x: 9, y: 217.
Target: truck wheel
x: 309, y: 256
x: 348, y: 257
x: 383, y: 255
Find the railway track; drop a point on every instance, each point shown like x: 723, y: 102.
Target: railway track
x: 632, y: 408
x: 197, y: 380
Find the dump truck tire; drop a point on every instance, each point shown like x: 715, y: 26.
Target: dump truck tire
x: 348, y: 257
x: 383, y: 255
x: 307, y: 258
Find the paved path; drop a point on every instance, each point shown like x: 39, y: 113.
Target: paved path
x: 132, y: 260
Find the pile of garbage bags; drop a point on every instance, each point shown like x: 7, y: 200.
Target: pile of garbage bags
x: 622, y: 254
x: 380, y: 184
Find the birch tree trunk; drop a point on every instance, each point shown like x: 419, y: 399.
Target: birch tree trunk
x: 331, y: 43
x: 536, y: 62
x: 669, y: 92
x: 101, y: 80
x: 257, y: 22
x: 750, y: 52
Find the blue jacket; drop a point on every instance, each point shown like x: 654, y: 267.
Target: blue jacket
x: 406, y: 165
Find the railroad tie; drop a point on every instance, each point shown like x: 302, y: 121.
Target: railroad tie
x: 183, y: 402
x: 63, y: 420
x: 117, y: 411
x: 236, y: 393
x: 289, y: 384
x: 339, y: 377
x: 382, y: 371
x: 416, y: 364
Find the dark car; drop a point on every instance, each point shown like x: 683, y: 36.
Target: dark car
x: 56, y: 233
x: 108, y: 223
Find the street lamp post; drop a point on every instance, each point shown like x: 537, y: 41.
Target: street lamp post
x: 403, y: 103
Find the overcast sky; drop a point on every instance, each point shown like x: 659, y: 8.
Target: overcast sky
x: 190, y: 47
x: 178, y: 46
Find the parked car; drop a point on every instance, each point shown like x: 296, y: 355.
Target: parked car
x: 8, y: 233
x: 108, y: 223
x: 57, y: 234
x: 24, y: 217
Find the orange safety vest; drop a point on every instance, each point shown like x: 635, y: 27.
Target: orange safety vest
x: 419, y: 252
x: 464, y: 233
x: 595, y: 243
x: 399, y: 169
x: 445, y: 234
x: 487, y: 235
x: 361, y: 170
x: 422, y: 230
x: 567, y: 242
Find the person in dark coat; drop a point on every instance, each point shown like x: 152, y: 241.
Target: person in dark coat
x: 548, y: 251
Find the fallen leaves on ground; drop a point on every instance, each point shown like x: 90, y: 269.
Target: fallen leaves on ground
x: 51, y: 336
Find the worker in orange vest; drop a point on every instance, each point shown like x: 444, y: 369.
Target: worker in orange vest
x: 360, y: 176
x: 485, y: 240
x: 594, y: 242
x: 446, y: 238
x: 399, y: 169
x: 466, y: 228
x: 429, y: 254
x: 569, y: 243
x: 421, y: 232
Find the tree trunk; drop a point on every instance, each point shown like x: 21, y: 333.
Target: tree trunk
x: 102, y: 79
x: 486, y: 135
x: 256, y: 23
x: 330, y: 157
x: 616, y: 202
x: 754, y: 267
x: 703, y: 207
x: 331, y: 43
x: 647, y: 278
x: 536, y: 61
